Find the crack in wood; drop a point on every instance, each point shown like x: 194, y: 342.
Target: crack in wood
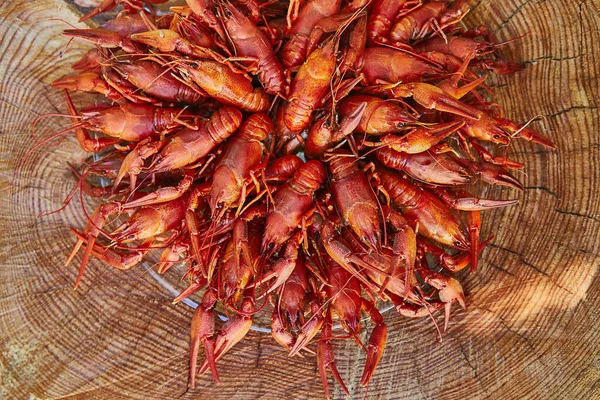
x: 566, y: 110
x: 535, y: 152
x: 577, y: 214
x: 522, y: 259
x: 502, y: 269
x: 552, y: 58
x: 505, y: 249
x: 528, y: 264
x: 584, y: 251
x: 473, y: 368
x: 527, y: 342
x: 187, y: 389
x: 462, y: 350
x: 509, y: 329
x: 51, y: 291
x: 474, y: 7
x: 545, y: 189
x: 419, y: 375
x: 517, y: 11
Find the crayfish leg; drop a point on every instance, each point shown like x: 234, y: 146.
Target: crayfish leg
x: 474, y: 220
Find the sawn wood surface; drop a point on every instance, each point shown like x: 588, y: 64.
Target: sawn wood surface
x: 531, y: 330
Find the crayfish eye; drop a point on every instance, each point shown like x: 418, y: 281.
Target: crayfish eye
x: 457, y: 243
x: 497, y: 136
x: 131, y: 237
x: 270, y: 246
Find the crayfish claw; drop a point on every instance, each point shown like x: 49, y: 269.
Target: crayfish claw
x: 209, y: 351
x: 492, y: 174
x: 279, y: 331
x: 325, y: 358
x: 377, y: 341
x: 202, y: 330
x: 103, y: 38
x: 90, y: 233
x: 309, y: 330
x: 374, y: 352
x: 526, y: 133
x: 193, y: 287
x: 432, y: 97
x: 234, y: 330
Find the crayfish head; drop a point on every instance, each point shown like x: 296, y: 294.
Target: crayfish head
x: 173, y: 156
x: 461, y: 241
x: 225, y: 189
x: 484, y: 48
x: 85, y: 82
x: 364, y: 221
x: 268, y: 246
x: 351, y: 323
x: 487, y: 128
x: 143, y: 224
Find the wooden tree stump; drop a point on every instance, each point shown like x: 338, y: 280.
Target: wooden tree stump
x: 531, y: 329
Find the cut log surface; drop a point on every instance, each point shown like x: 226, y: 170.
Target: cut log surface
x: 532, y: 327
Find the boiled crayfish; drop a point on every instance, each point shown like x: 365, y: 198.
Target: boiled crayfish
x: 319, y: 156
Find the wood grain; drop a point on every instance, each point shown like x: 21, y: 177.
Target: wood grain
x: 531, y: 330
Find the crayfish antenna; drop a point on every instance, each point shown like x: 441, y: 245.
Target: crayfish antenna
x: 209, y: 236
x: 39, y: 144
x: 80, y: 182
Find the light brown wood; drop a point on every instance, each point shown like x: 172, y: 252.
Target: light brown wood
x: 531, y: 329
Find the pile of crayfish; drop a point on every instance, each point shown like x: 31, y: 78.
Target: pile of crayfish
x: 315, y: 158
